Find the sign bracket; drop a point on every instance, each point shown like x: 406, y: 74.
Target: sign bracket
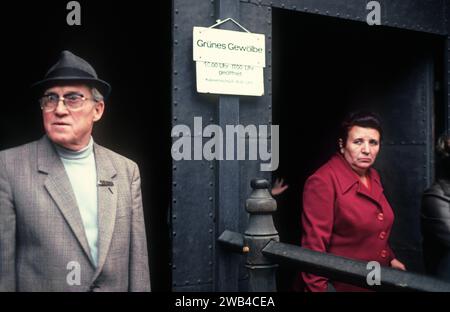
x: 220, y: 22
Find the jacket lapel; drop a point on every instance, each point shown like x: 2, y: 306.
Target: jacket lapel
x: 347, y: 178
x: 58, y: 186
x: 344, y: 174
x: 107, y: 203
x: 376, y: 190
x: 377, y: 187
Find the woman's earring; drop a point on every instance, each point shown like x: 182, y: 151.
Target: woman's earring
x: 341, y: 147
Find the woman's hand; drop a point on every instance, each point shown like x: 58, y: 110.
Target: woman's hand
x: 395, y: 264
x: 278, y: 187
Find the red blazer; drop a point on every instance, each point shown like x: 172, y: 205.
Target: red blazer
x: 343, y: 217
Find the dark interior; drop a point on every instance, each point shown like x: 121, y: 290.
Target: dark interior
x: 325, y: 67
x: 129, y: 46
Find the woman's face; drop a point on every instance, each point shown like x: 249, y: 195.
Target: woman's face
x: 361, y: 148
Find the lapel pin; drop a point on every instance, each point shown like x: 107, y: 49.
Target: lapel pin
x: 105, y: 183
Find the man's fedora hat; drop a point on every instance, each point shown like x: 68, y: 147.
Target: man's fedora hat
x: 71, y: 68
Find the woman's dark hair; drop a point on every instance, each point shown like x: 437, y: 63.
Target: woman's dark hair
x: 360, y: 119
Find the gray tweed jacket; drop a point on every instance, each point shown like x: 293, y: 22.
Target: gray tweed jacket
x: 43, y: 245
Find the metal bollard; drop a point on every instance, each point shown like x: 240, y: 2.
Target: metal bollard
x: 260, y: 230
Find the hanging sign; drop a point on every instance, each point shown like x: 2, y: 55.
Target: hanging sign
x: 229, y: 62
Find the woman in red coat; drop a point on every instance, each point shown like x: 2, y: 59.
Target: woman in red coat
x: 345, y: 211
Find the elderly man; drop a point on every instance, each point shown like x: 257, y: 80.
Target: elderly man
x: 71, y: 216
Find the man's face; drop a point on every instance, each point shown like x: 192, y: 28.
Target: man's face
x: 72, y: 128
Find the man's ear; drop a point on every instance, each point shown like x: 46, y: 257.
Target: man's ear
x: 98, y: 110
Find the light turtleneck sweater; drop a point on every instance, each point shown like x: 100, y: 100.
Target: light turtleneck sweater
x: 81, y: 170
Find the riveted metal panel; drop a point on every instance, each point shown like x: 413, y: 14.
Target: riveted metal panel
x: 195, y: 189
x: 186, y: 102
x: 192, y: 211
x: 420, y: 15
x: 227, y: 173
x: 406, y: 158
x: 404, y: 104
x: 403, y: 168
x: 192, y: 222
x: 255, y: 110
x: 258, y: 110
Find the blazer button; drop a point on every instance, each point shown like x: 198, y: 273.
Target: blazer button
x: 380, y: 216
x: 382, y: 235
x: 384, y: 253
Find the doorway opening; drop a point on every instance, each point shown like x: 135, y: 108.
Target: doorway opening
x: 324, y: 68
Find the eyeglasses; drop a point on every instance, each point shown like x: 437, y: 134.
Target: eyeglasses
x: 72, y: 101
